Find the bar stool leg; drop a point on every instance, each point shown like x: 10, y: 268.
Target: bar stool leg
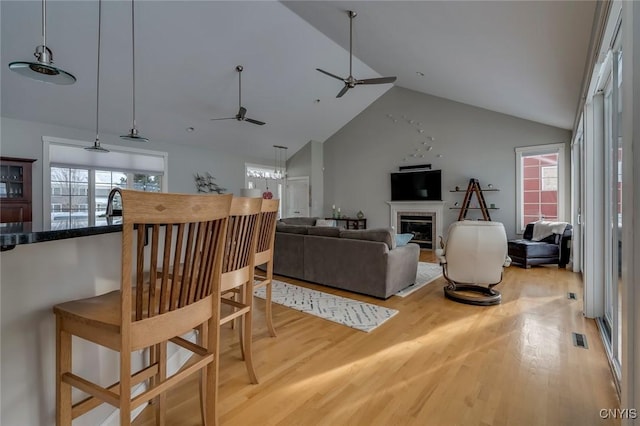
x: 63, y: 365
x: 247, y: 330
x: 203, y: 332
x: 125, y: 386
x: 210, y: 392
x: 161, y: 405
x: 268, y: 311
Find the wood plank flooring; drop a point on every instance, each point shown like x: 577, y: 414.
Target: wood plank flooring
x: 436, y: 362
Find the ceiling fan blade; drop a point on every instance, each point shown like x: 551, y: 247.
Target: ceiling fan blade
x: 330, y: 75
x: 343, y: 91
x: 250, y: 120
x: 226, y: 118
x: 381, y: 80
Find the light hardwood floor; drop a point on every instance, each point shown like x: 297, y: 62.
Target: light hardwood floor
x: 436, y: 362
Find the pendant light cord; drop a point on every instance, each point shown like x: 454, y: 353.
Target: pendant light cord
x: 98, y: 73
x: 133, y: 60
x: 44, y: 22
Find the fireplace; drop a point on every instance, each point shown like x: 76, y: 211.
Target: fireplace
x: 420, y: 225
x: 423, y: 218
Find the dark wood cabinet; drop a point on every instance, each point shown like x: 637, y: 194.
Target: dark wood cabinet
x: 15, y: 189
x: 350, y: 222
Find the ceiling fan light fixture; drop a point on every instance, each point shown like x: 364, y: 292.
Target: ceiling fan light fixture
x: 242, y: 111
x: 43, y: 69
x: 351, y: 82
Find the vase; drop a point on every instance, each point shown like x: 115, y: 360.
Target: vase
x: 360, y: 215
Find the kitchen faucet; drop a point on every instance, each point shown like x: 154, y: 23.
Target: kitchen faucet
x: 112, y: 195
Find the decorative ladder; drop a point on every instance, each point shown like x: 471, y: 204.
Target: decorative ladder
x: 474, y: 188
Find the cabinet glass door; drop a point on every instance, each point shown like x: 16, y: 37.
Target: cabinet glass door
x: 11, y: 184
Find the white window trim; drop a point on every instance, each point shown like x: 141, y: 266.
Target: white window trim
x: 558, y: 148
x: 46, y: 167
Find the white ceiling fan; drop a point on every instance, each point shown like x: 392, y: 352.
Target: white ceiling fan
x: 351, y: 82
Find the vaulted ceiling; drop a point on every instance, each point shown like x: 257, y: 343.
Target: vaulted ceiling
x: 520, y: 58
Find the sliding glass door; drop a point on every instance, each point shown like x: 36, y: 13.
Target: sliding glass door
x: 611, y: 320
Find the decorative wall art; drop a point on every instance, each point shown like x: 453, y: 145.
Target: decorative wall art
x: 206, y: 183
x: 422, y: 146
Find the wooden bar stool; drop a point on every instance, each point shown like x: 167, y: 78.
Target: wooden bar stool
x: 187, y: 240
x: 264, y: 254
x: 237, y: 274
x: 238, y: 271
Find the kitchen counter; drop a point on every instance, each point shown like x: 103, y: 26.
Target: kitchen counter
x: 16, y: 233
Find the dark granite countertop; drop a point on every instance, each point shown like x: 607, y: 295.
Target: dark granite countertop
x: 12, y: 234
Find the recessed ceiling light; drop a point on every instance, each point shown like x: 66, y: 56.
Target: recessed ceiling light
x: 189, y: 129
x: 421, y: 74
x: 317, y: 101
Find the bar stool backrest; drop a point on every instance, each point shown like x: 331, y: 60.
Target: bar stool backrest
x: 183, y: 234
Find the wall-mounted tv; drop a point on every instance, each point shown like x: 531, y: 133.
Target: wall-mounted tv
x: 425, y: 185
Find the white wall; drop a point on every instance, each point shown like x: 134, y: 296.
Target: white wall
x: 24, y: 139
x: 308, y: 161
x: 473, y: 142
x: 317, y: 178
x: 33, y: 278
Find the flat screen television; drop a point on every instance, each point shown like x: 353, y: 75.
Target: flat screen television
x: 425, y: 185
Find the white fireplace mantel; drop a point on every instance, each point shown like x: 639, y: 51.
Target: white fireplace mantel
x: 435, y: 207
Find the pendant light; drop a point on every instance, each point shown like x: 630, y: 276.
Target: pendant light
x: 133, y: 133
x: 96, y: 145
x: 42, y: 69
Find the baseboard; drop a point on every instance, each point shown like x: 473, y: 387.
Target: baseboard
x: 174, y: 363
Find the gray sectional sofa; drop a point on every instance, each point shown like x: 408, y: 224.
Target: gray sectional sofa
x: 362, y: 261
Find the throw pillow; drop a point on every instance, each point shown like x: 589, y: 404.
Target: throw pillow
x: 325, y: 222
x: 403, y: 239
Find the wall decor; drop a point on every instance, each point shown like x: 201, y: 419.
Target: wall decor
x: 424, y: 145
x: 206, y: 183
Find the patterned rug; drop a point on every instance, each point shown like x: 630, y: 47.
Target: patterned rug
x: 427, y: 272
x: 352, y: 313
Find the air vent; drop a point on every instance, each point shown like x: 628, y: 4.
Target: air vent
x: 572, y: 296
x: 580, y: 340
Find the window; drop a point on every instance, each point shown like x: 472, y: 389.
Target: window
x: 540, y: 190
x: 71, y: 193
x: 79, y: 181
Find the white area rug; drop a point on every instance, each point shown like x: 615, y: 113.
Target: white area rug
x: 427, y: 272
x: 349, y: 312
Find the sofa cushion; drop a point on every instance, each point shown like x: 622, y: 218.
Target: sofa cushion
x: 324, y: 231
x: 383, y: 235
x: 309, y: 221
x: 291, y: 229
